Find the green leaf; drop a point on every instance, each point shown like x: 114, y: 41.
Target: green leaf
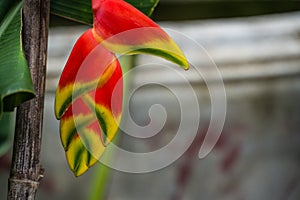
x: 146, y: 6
x: 15, y: 80
x: 76, y: 10
x: 6, y: 132
x: 5, y: 5
x: 81, y: 10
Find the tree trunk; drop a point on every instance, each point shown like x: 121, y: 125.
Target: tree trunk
x: 26, y: 170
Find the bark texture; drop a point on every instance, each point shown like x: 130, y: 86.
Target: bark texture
x: 26, y: 170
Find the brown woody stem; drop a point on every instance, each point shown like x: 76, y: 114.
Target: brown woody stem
x: 26, y: 170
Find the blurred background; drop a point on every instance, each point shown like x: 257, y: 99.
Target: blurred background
x: 255, y: 45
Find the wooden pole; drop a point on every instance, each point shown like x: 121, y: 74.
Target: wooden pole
x: 26, y: 170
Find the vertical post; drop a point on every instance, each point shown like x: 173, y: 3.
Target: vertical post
x: 26, y: 170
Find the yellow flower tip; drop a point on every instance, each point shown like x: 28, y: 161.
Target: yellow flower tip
x: 78, y: 168
x: 181, y: 61
x: 185, y: 65
x: 80, y: 172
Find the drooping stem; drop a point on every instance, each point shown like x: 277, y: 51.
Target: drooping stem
x: 26, y: 170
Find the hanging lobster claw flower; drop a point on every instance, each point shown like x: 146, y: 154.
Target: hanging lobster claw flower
x: 123, y: 29
x: 89, y: 95
x: 88, y: 102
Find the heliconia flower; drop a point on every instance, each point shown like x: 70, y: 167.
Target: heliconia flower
x: 88, y: 102
x: 89, y: 96
x: 123, y: 29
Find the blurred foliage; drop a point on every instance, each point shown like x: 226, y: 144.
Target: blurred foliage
x: 206, y: 9
x: 6, y: 131
x: 81, y: 11
x: 168, y: 10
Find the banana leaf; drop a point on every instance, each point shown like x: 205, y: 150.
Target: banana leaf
x: 15, y: 80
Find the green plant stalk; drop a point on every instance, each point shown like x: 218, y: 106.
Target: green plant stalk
x: 101, y: 179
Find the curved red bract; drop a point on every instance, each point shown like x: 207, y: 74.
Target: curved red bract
x: 123, y: 29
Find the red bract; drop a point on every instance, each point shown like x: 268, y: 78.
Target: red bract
x: 112, y: 17
x: 123, y: 29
